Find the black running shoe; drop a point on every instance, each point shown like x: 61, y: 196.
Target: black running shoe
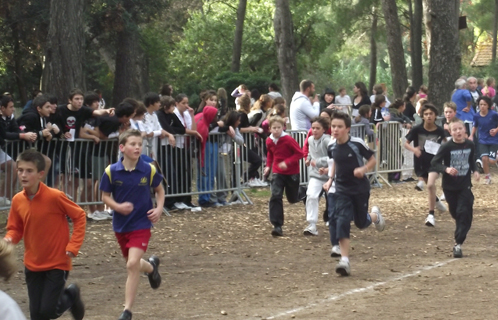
x: 277, y: 232
x: 126, y: 315
x: 154, y: 276
x: 78, y: 308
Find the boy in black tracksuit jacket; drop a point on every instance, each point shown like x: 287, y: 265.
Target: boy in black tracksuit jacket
x: 455, y: 159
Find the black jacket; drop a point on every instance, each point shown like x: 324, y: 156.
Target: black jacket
x: 11, y: 128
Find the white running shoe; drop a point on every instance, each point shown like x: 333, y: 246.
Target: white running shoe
x: 440, y: 206
x: 99, y: 216
x: 430, y: 221
x: 107, y: 213
x: 442, y: 197
x: 420, y: 186
x: 310, y: 230
x: 253, y: 183
x: 195, y: 209
x: 343, y: 268
x: 181, y: 205
x: 380, y: 224
x: 261, y: 182
x: 335, y: 252
x: 238, y: 201
x: 4, y: 201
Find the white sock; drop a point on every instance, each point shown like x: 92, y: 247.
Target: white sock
x: 346, y: 259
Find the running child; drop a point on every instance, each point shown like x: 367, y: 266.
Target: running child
x: 449, y: 113
x: 125, y: 189
x: 455, y: 160
x: 486, y: 123
x: 317, y: 169
x: 48, y: 247
x: 282, y: 158
x: 352, y: 188
x: 427, y: 138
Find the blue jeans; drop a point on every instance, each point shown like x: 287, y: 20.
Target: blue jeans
x: 205, y: 176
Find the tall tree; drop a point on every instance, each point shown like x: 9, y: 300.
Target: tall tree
x: 373, y: 51
x: 286, y: 50
x: 65, y: 48
x: 239, y: 31
x: 445, y: 59
x: 131, y: 77
x: 495, y: 32
x: 416, y: 44
x: 395, y: 47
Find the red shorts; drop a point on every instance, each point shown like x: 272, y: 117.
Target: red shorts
x: 133, y: 239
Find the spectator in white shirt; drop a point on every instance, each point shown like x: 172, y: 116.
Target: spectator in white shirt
x: 304, y: 106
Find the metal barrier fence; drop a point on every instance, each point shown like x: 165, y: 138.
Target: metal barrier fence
x: 220, y: 175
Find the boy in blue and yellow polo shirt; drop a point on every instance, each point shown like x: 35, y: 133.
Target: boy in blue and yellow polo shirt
x: 129, y: 182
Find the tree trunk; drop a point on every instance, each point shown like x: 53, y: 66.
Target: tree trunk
x: 445, y: 58
x: 65, y: 49
x: 286, y: 52
x: 416, y: 30
x: 495, y: 33
x: 373, y: 51
x: 131, y: 76
x: 17, y: 37
x: 395, y: 48
x: 428, y: 27
x: 239, y: 31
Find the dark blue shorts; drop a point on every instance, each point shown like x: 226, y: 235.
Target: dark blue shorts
x: 346, y: 208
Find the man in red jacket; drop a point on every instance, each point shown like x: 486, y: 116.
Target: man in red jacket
x: 283, y: 158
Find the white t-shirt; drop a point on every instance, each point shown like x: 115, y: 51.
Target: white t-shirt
x: 186, y: 120
x: 343, y: 100
x: 9, y: 310
x: 152, y: 125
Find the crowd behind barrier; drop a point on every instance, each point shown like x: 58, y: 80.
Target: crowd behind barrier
x: 77, y: 166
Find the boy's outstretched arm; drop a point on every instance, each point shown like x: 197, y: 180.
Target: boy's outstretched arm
x: 155, y: 213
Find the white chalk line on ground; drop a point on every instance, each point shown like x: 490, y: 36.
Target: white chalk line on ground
x: 358, y: 290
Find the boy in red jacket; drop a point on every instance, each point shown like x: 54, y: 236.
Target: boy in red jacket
x: 283, y: 158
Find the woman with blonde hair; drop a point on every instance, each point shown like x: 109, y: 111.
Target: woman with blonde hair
x: 489, y: 88
x: 259, y: 110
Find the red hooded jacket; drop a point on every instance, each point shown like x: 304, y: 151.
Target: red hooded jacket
x: 203, y: 120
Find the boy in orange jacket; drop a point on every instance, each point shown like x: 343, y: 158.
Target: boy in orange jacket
x: 38, y: 214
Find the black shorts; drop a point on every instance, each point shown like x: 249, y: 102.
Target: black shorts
x: 487, y: 150
x: 422, y: 167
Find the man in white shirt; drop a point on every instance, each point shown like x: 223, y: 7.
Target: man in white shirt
x: 472, y: 87
x: 302, y: 108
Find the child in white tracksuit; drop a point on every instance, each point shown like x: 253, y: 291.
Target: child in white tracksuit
x: 317, y: 171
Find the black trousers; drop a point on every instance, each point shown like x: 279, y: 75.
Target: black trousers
x: 176, y: 165
x: 255, y: 163
x: 460, y: 203
x: 47, y: 297
x: 279, y: 183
